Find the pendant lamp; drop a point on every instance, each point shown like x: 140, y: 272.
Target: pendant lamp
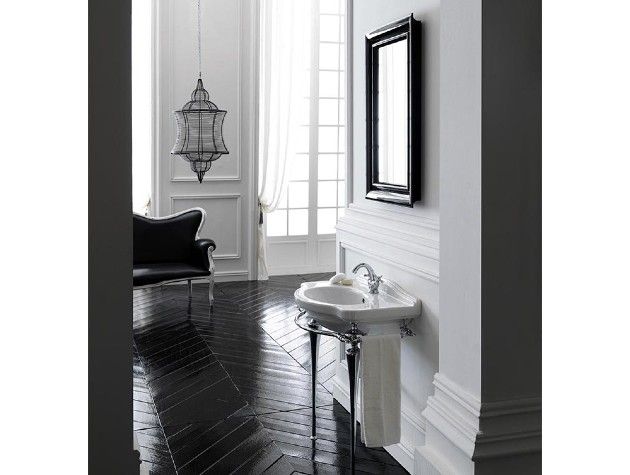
x: 199, y: 125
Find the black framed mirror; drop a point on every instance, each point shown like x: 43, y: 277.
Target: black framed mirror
x: 393, y: 55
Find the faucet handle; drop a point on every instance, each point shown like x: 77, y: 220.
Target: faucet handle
x: 374, y: 283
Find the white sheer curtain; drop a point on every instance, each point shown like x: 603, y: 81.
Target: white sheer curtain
x: 285, y: 29
x: 141, y: 105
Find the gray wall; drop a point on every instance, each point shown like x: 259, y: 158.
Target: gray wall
x: 110, y: 411
x: 511, y: 200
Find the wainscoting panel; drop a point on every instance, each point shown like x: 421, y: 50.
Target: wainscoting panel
x: 405, y: 249
x: 300, y: 255
x: 223, y: 223
x: 288, y: 253
x: 326, y: 252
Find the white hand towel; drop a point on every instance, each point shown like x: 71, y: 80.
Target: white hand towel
x: 380, y: 390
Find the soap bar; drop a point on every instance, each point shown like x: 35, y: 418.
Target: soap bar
x: 347, y: 282
x: 337, y: 279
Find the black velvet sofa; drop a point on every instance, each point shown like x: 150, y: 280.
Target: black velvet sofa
x: 168, y: 249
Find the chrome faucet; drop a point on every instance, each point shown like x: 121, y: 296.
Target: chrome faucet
x: 373, y: 280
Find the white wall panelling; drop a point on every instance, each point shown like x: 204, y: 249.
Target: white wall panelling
x: 402, y: 244
x: 480, y: 190
x: 291, y: 255
x: 405, y: 249
x: 229, y: 65
x: 226, y: 230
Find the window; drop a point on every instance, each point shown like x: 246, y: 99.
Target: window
x: 316, y: 193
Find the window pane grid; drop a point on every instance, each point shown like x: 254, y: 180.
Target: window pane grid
x: 325, y: 125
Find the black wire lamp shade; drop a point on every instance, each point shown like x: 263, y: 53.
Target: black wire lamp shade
x: 199, y: 124
x: 200, y: 132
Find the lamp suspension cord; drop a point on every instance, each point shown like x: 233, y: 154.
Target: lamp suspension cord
x: 199, y: 33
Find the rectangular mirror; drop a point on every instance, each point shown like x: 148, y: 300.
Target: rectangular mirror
x: 393, y: 112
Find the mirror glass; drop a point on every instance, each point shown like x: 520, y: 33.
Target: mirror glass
x: 393, y: 114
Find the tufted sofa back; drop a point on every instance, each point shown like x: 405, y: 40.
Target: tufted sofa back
x: 165, y: 239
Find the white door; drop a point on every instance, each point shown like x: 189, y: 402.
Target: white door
x: 301, y: 232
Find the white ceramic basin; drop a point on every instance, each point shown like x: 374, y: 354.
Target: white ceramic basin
x: 334, y: 295
x: 335, y: 303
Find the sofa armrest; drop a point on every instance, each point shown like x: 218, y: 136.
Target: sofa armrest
x: 201, y: 248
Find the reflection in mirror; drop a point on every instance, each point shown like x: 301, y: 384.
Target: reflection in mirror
x: 393, y: 132
x: 392, y: 114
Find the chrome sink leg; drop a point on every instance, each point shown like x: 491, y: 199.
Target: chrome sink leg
x: 352, y: 357
x: 314, y: 337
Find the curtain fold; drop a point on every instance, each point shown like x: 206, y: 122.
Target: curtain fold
x: 285, y: 30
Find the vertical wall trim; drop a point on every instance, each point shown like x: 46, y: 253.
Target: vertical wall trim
x: 155, y: 108
x: 253, y: 166
x: 349, y: 111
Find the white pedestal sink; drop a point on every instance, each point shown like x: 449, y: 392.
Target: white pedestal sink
x: 347, y: 312
x: 337, y: 304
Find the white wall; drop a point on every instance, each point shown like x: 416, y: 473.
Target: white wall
x: 461, y: 190
x: 485, y: 414
x: 481, y: 413
x: 228, y: 70
x: 401, y: 243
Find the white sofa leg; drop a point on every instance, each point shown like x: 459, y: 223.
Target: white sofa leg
x: 211, y: 279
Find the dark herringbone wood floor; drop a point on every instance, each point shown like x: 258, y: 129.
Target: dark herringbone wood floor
x: 227, y: 390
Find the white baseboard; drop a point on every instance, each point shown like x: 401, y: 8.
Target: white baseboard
x: 226, y: 276
x: 476, y: 431
x: 231, y: 276
x: 427, y: 462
